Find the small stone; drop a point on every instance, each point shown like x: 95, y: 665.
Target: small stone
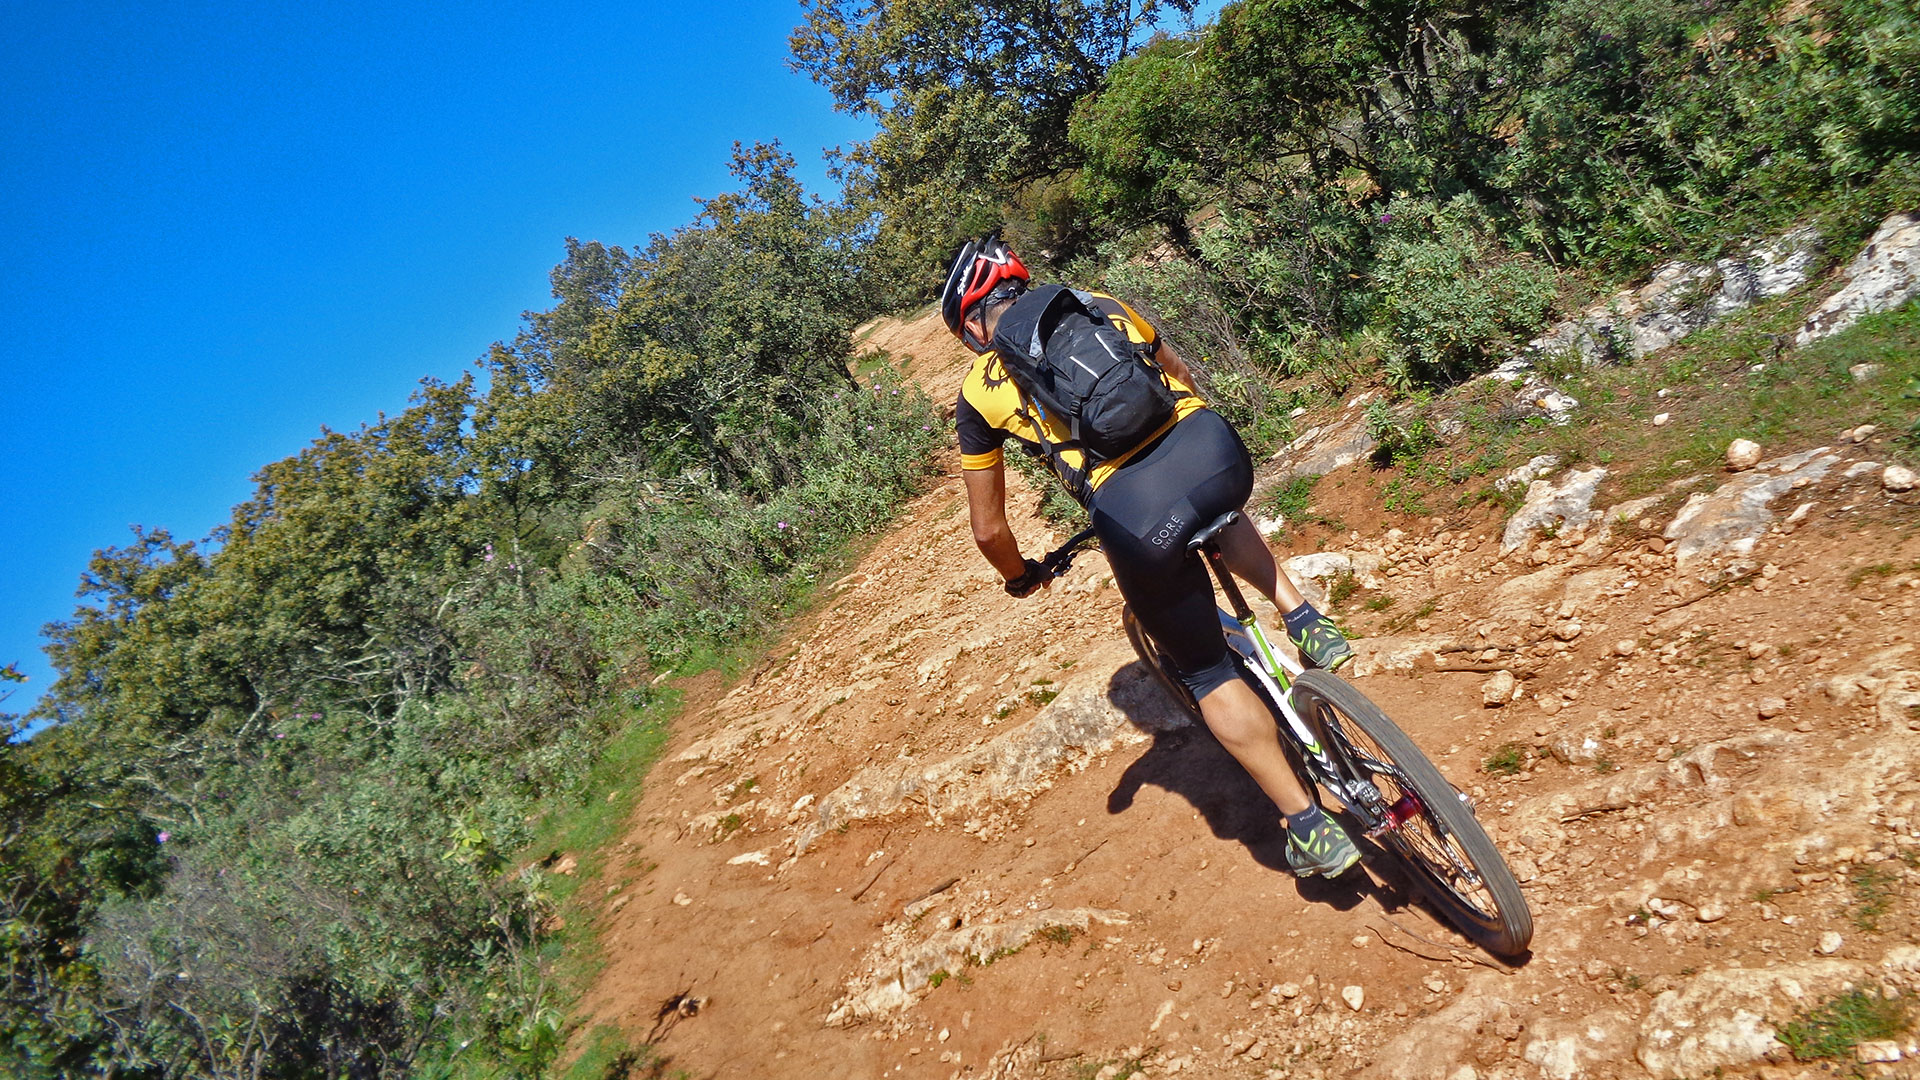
x: 1625, y: 647
x: 1568, y: 630
x: 1288, y: 990
x: 1898, y: 478
x: 682, y: 899
x: 1241, y: 1043
x: 1863, y: 372
x: 945, y: 1034
x: 567, y: 865
x: 1662, y: 419
x: 1862, y: 433
x: 1354, y: 996
x: 1498, y: 690
x: 1873, y: 1050
x: 1830, y: 943
x: 1743, y: 454
x: 1361, y: 941
x: 1769, y: 707
x: 1710, y: 911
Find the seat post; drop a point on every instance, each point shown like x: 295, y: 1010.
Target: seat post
x: 1217, y: 563
x: 1206, y: 544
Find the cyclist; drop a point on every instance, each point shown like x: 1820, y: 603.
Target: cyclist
x: 1145, y: 505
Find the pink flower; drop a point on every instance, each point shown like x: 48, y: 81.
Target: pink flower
x: 783, y: 525
x: 165, y: 836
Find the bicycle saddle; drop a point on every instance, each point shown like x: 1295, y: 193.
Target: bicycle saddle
x: 1212, y: 532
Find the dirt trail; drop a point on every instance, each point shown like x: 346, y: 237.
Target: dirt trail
x: 941, y: 833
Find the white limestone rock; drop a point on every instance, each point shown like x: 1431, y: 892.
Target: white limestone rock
x: 1884, y: 275
x: 1733, y: 518
x: 1566, y: 505
x: 1725, y: 1018
x: 1499, y: 689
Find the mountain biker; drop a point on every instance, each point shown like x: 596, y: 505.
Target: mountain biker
x: 1145, y: 504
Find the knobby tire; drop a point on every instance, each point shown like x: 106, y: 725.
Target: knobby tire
x: 1444, y: 844
x: 1156, y: 662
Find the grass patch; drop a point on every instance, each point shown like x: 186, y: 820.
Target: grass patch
x: 1342, y: 588
x: 1507, y: 759
x: 1873, y: 893
x: 1379, y: 603
x: 1040, y: 695
x: 609, y: 1056
x: 1057, y: 935
x: 1407, y: 618
x: 1798, y: 397
x: 1835, y: 1027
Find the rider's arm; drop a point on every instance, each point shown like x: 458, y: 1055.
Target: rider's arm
x: 987, y: 509
x: 1171, y: 363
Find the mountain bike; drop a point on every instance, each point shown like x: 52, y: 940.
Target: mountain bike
x: 1341, y: 744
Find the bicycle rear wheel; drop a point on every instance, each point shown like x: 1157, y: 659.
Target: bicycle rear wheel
x: 1156, y: 661
x: 1421, y: 817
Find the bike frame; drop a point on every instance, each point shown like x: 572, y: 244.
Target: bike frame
x: 1275, y: 670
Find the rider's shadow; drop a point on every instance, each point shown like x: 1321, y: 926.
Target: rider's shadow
x: 1186, y: 760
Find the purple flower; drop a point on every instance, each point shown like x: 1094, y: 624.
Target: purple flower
x: 164, y: 836
x: 869, y: 427
x: 1384, y: 218
x: 783, y: 525
x: 279, y: 734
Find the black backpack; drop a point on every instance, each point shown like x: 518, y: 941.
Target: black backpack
x: 1073, y: 365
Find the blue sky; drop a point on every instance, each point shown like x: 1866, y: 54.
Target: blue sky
x: 225, y: 225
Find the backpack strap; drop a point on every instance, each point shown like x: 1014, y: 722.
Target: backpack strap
x: 1077, y: 481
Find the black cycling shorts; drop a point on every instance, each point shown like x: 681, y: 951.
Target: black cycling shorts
x: 1144, y: 515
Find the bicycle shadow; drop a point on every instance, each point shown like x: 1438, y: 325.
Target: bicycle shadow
x: 1185, y: 759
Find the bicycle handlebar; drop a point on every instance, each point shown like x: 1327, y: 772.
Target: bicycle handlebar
x: 1058, y: 561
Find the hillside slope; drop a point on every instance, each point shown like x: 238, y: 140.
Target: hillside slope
x: 943, y: 833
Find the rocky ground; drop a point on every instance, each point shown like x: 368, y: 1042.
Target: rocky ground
x: 943, y: 833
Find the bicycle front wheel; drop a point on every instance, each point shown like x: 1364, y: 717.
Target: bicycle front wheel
x: 1156, y: 661
x: 1419, y: 816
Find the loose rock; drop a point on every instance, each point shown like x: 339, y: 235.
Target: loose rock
x: 1743, y: 454
x: 1498, y: 690
x: 1897, y: 478
x: 1354, y: 996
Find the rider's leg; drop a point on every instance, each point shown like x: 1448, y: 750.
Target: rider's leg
x: 1242, y: 724
x: 1251, y: 560
x: 1312, y: 633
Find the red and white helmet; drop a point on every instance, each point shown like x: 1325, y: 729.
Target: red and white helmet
x: 979, y: 268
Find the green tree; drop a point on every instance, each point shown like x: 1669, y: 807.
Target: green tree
x: 973, y: 100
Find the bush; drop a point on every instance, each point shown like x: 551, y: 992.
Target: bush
x: 1452, y: 293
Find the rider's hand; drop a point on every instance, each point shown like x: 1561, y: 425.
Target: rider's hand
x: 1035, y: 576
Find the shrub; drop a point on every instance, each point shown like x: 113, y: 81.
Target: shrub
x: 1452, y: 293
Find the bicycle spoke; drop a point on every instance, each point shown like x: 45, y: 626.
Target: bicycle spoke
x: 1416, y: 814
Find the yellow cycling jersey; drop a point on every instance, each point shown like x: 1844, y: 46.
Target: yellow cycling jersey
x: 990, y: 408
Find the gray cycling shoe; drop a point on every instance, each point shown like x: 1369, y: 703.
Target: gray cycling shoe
x: 1324, y: 850
x: 1322, y: 645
